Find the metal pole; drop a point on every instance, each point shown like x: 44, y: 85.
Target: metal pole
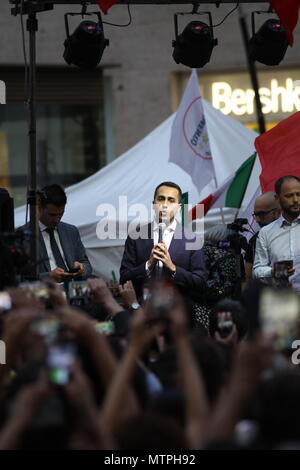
x: 32, y: 27
x: 252, y: 72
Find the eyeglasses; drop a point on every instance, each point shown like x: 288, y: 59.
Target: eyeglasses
x: 262, y: 213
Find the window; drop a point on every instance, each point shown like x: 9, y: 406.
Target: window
x: 70, y: 128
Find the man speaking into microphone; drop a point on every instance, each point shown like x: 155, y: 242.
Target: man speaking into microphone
x: 162, y: 250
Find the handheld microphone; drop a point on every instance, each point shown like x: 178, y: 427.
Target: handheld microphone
x: 161, y: 229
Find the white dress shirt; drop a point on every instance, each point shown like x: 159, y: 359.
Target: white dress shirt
x: 278, y: 241
x: 46, y: 237
x: 167, y: 237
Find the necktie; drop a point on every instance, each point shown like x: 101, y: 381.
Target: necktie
x: 55, y: 250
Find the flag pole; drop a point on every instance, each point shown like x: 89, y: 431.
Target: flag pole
x: 221, y: 209
x: 252, y: 72
x: 222, y: 215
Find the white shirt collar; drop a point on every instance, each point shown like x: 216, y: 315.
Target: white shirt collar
x: 283, y: 221
x: 170, y: 228
x: 43, y: 227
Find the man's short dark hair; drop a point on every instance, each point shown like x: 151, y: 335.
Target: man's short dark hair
x: 281, y: 180
x: 170, y: 184
x: 53, y: 194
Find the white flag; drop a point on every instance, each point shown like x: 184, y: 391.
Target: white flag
x: 247, y: 214
x: 189, y: 143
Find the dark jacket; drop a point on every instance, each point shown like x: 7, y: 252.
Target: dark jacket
x: 190, y: 274
x: 72, y: 247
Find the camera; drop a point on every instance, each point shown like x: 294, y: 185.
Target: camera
x: 237, y: 241
x: 237, y: 225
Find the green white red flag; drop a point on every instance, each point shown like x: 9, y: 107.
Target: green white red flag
x: 230, y: 193
x: 278, y: 151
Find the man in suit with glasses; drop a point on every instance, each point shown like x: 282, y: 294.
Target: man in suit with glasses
x: 266, y: 210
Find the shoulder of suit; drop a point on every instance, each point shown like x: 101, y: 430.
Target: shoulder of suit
x: 23, y: 227
x: 65, y: 226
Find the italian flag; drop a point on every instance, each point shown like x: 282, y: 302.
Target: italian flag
x: 230, y: 193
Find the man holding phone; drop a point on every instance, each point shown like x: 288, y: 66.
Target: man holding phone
x: 266, y: 210
x: 279, y: 241
x: 62, y: 254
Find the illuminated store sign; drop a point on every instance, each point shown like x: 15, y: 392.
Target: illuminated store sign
x: 274, y: 98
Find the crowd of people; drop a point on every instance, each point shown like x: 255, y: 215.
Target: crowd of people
x: 194, y: 348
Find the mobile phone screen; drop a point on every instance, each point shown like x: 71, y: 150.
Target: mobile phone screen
x: 281, y: 268
x: 279, y: 312
x: 36, y: 289
x: 105, y: 328
x: 60, y: 360
x: 78, y: 289
x: 5, y: 301
x: 74, y: 270
x: 225, y: 324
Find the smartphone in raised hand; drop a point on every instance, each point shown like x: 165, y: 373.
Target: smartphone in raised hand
x: 279, y: 316
x: 225, y: 324
x: 60, y: 360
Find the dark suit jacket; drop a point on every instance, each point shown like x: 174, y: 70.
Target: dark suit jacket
x: 72, y: 247
x: 190, y: 275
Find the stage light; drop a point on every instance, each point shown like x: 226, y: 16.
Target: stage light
x: 269, y: 44
x: 85, y: 46
x: 193, y: 47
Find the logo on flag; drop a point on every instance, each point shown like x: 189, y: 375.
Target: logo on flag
x: 189, y: 143
x: 197, y: 139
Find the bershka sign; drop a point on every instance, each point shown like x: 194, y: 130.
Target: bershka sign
x: 2, y: 92
x: 274, y: 98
